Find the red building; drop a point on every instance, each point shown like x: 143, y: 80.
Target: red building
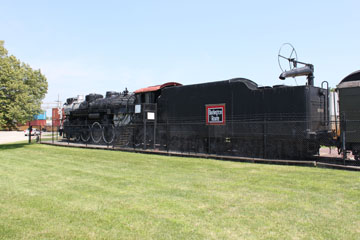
x: 56, y: 118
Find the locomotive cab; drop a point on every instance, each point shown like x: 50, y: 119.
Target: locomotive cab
x: 146, y: 114
x: 151, y: 94
x: 147, y: 99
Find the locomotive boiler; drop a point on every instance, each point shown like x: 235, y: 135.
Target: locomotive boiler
x: 95, y: 118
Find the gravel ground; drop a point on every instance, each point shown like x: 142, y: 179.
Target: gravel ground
x: 333, y: 152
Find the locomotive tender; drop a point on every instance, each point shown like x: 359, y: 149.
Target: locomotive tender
x: 236, y: 117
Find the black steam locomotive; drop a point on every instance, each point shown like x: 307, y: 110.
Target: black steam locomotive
x: 231, y: 117
x: 95, y: 119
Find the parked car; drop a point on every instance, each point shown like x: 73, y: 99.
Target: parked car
x: 34, y: 132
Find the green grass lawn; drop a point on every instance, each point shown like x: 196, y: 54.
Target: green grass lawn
x: 51, y: 192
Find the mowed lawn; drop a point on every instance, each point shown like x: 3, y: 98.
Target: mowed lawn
x: 51, y: 192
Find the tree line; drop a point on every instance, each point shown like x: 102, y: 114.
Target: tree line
x: 21, y: 90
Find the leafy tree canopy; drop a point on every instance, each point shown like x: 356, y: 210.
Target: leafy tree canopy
x: 21, y: 90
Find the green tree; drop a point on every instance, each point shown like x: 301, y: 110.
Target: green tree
x: 21, y: 90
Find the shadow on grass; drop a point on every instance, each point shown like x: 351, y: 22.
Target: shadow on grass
x: 9, y: 146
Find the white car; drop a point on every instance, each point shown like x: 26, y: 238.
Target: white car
x: 34, y: 132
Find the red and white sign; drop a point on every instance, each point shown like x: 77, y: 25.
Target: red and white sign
x: 215, y: 114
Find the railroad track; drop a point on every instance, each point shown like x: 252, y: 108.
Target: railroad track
x: 338, y: 161
x: 323, y: 162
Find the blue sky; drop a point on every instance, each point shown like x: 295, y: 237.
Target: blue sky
x: 95, y: 46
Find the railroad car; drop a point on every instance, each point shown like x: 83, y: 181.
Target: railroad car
x: 349, y: 101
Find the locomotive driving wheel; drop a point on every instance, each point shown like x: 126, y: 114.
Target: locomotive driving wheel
x: 96, y: 132
x: 77, y: 137
x: 86, y: 134
x: 108, y: 133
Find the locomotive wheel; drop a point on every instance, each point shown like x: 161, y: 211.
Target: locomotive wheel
x: 77, y: 138
x: 96, y: 132
x: 66, y: 135
x: 86, y: 134
x: 108, y: 134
